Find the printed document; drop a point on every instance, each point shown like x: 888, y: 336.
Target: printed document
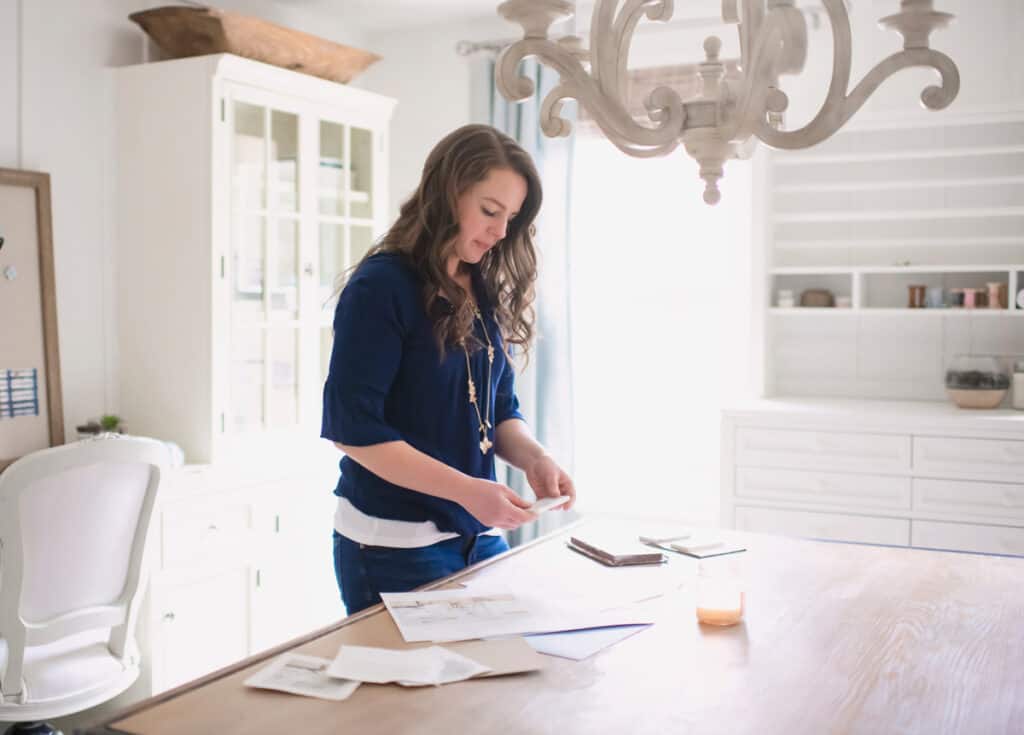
x: 458, y: 615
x: 305, y: 675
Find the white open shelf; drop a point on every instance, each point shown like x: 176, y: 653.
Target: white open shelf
x: 875, y: 209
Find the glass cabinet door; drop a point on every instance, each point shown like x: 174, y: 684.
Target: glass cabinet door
x: 303, y: 212
x: 346, y: 213
x: 265, y: 268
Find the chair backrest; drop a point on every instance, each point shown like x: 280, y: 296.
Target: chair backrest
x: 73, y: 526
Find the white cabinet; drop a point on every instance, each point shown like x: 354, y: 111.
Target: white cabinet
x: 238, y: 564
x: 199, y: 624
x: 244, y: 192
x: 900, y: 473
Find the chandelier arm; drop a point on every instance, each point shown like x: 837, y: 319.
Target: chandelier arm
x: 748, y: 18
x: 824, y: 125
x: 786, y: 30
x: 625, y: 26
x: 551, y: 120
x: 610, y: 115
x: 603, y: 65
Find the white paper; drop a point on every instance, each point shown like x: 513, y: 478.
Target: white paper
x: 458, y: 615
x: 421, y: 666
x: 304, y: 675
x: 580, y: 644
x: 545, y: 504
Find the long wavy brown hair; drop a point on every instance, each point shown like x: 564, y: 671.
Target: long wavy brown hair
x: 426, y: 229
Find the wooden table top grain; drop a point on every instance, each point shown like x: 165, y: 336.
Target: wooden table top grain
x: 837, y: 638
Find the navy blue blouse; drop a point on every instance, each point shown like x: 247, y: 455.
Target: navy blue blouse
x: 387, y: 382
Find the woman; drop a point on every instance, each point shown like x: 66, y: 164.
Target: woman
x: 420, y: 393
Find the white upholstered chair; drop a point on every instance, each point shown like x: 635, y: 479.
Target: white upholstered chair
x: 73, y: 526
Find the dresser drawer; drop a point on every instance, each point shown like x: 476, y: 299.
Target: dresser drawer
x: 831, y: 526
x: 967, y: 537
x: 823, y: 450
x: 825, y: 488
x: 997, y: 502
x: 208, y: 534
x: 970, y: 459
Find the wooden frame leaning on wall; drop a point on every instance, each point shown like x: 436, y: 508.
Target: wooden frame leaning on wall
x: 31, y: 408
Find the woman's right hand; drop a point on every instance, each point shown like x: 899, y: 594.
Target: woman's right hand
x: 495, y: 504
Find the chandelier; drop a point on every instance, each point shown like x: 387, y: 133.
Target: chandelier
x: 725, y: 118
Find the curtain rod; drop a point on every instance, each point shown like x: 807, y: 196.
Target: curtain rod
x: 468, y: 48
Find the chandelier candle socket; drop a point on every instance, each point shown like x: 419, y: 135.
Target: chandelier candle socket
x: 728, y: 115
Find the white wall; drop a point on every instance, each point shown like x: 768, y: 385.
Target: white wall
x: 434, y: 88
x: 57, y: 118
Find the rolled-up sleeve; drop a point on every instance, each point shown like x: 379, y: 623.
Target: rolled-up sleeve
x: 506, y: 404
x: 368, y: 336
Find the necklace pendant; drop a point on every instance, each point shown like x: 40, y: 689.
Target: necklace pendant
x: 485, y: 445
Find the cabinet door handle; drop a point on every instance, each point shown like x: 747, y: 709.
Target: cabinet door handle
x: 169, y: 617
x: 212, y: 527
x: 308, y: 270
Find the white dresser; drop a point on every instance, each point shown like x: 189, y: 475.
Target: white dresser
x: 922, y: 474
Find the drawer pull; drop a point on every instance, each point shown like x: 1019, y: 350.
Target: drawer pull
x: 212, y: 527
x: 169, y: 617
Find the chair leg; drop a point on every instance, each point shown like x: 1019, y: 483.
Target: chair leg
x: 32, y: 728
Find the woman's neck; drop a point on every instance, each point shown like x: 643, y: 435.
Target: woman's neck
x: 459, y: 272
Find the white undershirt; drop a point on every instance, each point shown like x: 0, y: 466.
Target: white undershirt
x: 352, y: 523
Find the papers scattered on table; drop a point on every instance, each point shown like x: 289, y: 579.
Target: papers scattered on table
x: 704, y: 545
x: 661, y: 538
x: 418, y: 667
x: 581, y: 644
x: 305, y: 675
x: 700, y: 544
x: 458, y: 615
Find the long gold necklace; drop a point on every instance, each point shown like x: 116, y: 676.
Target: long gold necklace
x: 484, y: 419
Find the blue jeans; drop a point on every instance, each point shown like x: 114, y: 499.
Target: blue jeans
x: 364, y: 572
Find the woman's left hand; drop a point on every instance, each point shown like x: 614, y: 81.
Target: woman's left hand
x: 548, y: 480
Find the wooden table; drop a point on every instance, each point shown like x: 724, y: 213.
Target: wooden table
x: 837, y: 638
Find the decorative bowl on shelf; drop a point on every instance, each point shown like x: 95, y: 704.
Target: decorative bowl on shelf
x: 182, y: 31
x: 974, y: 381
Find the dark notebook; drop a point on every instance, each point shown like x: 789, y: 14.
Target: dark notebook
x: 615, y: 551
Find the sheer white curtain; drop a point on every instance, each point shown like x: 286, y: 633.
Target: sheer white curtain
x: 545, y: 388
x: 661, y: 329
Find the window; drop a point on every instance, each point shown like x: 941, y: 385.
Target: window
x: 661, y: 328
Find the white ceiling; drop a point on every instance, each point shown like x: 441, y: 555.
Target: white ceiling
x: 388, y: 15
